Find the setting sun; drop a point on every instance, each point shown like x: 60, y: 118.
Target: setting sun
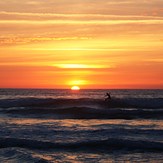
x: 75, y: 88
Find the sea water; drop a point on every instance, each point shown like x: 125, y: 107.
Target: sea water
x: 46, y: 125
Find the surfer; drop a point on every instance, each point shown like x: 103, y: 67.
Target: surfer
x: 108, y: 97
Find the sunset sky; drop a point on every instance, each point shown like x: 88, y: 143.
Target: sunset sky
x: 89, y: 43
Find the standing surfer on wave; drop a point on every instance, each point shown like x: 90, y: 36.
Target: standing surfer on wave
x: 108, y: 97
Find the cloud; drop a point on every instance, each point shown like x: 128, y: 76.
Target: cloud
x: 5, y: 41
x: 57, y: 16
x: 80, y: 31
x: 118, y: 7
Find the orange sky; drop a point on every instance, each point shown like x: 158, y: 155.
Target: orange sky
x: 90, y: 43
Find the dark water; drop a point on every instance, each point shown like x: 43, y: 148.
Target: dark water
x: 68, y: 126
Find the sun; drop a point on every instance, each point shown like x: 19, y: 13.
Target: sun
x: 75, y: 88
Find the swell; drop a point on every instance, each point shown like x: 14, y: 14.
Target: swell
x: 100, y: 145
x: 150, y: 103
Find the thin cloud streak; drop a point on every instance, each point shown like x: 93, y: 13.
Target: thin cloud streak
x: 52, y: 16
x: 77, y: 22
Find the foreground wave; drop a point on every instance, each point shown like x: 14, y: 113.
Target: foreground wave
x: 108, y: 144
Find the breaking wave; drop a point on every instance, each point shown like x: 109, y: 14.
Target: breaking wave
x: 84, y: 108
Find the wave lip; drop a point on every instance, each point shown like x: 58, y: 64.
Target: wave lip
x: 100, y: 145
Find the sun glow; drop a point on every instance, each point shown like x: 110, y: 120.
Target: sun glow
x: 75, y: 88
x: 77, y: 82
x: 78, y: 66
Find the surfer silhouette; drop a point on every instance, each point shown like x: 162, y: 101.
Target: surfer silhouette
x: 108, y: 97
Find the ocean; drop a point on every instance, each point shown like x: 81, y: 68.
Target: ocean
x: 48, y: 125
